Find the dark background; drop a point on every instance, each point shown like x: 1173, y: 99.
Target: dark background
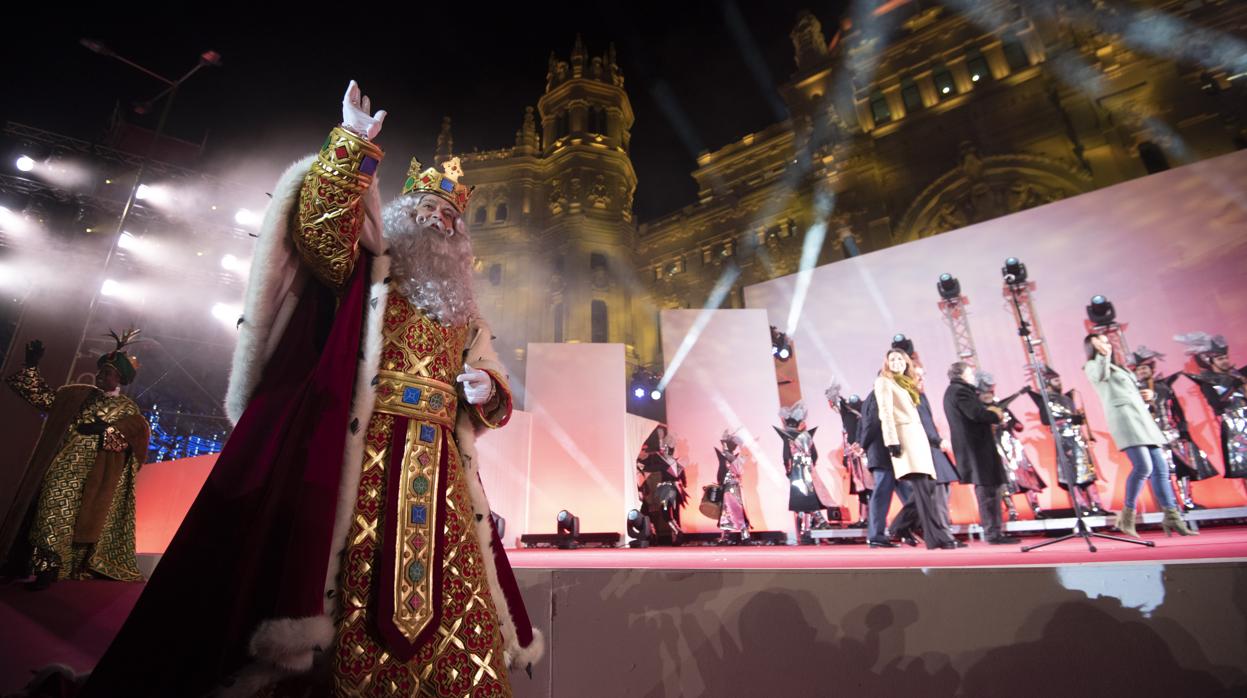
x: 687, y: 69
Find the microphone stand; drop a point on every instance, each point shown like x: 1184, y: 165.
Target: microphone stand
x: 1064, y: 467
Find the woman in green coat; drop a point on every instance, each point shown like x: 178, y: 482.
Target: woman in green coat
x: 1134, y: 432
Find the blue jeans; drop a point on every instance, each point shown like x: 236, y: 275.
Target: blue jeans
x: 1149, y: 464
x: 881, y: 501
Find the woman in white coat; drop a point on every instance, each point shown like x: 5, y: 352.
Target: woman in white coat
x: 896, y: 392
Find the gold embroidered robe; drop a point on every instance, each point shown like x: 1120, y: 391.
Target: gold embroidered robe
x: 83, y: 522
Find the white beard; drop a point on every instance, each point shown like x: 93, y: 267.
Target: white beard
x: 431, y: 269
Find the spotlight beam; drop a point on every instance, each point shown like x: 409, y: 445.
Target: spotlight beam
x: 811, y: 246
x: 717, y: 294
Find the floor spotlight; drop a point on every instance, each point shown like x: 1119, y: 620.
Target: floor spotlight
x: 949, y: 287
x: 500, y: 524
x: 567, y: 526
x: 639, y: 529
x: 1100, y: 311
x: 1014, y: 272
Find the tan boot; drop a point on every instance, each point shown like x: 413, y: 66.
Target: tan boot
x: 1125, y: 522
x: 1173, y: 522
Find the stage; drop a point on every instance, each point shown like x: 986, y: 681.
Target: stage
x: 820, y: 620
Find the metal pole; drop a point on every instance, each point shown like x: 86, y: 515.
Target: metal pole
x: 121, y: 223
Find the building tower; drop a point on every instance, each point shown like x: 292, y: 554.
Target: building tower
x: 553, y: 216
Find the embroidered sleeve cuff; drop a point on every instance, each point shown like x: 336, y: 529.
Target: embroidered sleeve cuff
x: 497, y: 411
x: 30, y: 386
x: 114, y: 441
x: 329, y: 218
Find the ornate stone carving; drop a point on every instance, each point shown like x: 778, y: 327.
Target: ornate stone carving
x: 981, y: 188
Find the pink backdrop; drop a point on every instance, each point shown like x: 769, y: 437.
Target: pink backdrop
x: 505, y: 473
x: 576, y: 394
x: 727, y: 381
x: 1169, y: 250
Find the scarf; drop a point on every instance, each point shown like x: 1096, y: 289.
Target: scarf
x: 909, y: 385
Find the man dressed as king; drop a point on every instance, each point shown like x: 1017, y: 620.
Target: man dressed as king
x: 73, y: 514
x: 343, y: 543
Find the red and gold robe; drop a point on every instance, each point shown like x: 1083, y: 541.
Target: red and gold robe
x: 344, y: 523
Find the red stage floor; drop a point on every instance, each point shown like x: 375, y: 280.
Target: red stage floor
x: 73, y: 622
x: 1211, y: 544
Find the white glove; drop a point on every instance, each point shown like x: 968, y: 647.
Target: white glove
x: 478, y: 386
x: 355, y: 113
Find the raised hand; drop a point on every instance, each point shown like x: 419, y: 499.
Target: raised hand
x: 478, y: 386
x: 34, y: 353
x: 357, y: 115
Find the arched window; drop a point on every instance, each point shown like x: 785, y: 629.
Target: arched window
x: 597, y: 260
x: 500, y: 212
x: 1153, y: 157
x: 558, y: 322
x: 910, y: 95
x: 976, y: 65
x: 495, y: 274
x: 1015, y: 55
x: 598, y: 321
x: 478, y: 218
x: 879, y: 108
x: 944, y: 85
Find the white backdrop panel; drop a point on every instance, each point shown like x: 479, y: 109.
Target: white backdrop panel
x: 576, y: 394
x: 505, y: 471
x: 727, y: 381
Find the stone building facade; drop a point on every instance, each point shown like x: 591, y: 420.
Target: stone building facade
x: 913, y: 120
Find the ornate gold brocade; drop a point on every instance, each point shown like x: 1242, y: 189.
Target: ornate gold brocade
x: 30, y: 386
x: 463, y: 656
x: 60, y: 501
x: 327, y: 229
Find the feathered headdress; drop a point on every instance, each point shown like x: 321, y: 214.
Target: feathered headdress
x: 793, y: 415
x: 729, y: 436
x: 127, y: 366
x: 833, y: 394
x: 984, y: 381
x: 1143, y: 355
x: 1200, y: 344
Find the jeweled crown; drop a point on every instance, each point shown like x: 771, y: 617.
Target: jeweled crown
x: 445, y: 183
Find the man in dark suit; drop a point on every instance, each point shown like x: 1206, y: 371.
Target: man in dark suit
x: 870, y: 436
x: 970, y: 425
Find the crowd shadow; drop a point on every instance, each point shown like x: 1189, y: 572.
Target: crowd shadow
x: 660, y: 633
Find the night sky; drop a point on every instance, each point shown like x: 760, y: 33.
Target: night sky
x: 280, y: 87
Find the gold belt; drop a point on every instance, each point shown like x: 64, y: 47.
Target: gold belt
x: 417, y: 397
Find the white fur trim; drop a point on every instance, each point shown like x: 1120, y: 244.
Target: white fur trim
x: 528, y: 655
x: 273, y: 289
x: 290, y: 643
x: 362, y: 406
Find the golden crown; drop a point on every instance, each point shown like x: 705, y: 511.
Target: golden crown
x: 445, y: 183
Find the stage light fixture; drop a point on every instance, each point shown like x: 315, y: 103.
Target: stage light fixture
x: 143, y: 192
x: 25, y: 163
x: 115, y: 289
x: 638, y: 392
x: 639, y: 529
x: 567, y: 527
x: 226, y: 313
x: 232, y: 263
x: 949, y: 287
x: 781, y: 346
x: 905, y: 344
x: 1014, y: 272
x: 1100, y: 311
x: 500, y: 524
x: 655, y: 394
x: 247, y: 217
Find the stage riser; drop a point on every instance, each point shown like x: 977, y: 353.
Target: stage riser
x: 1164, y: 630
